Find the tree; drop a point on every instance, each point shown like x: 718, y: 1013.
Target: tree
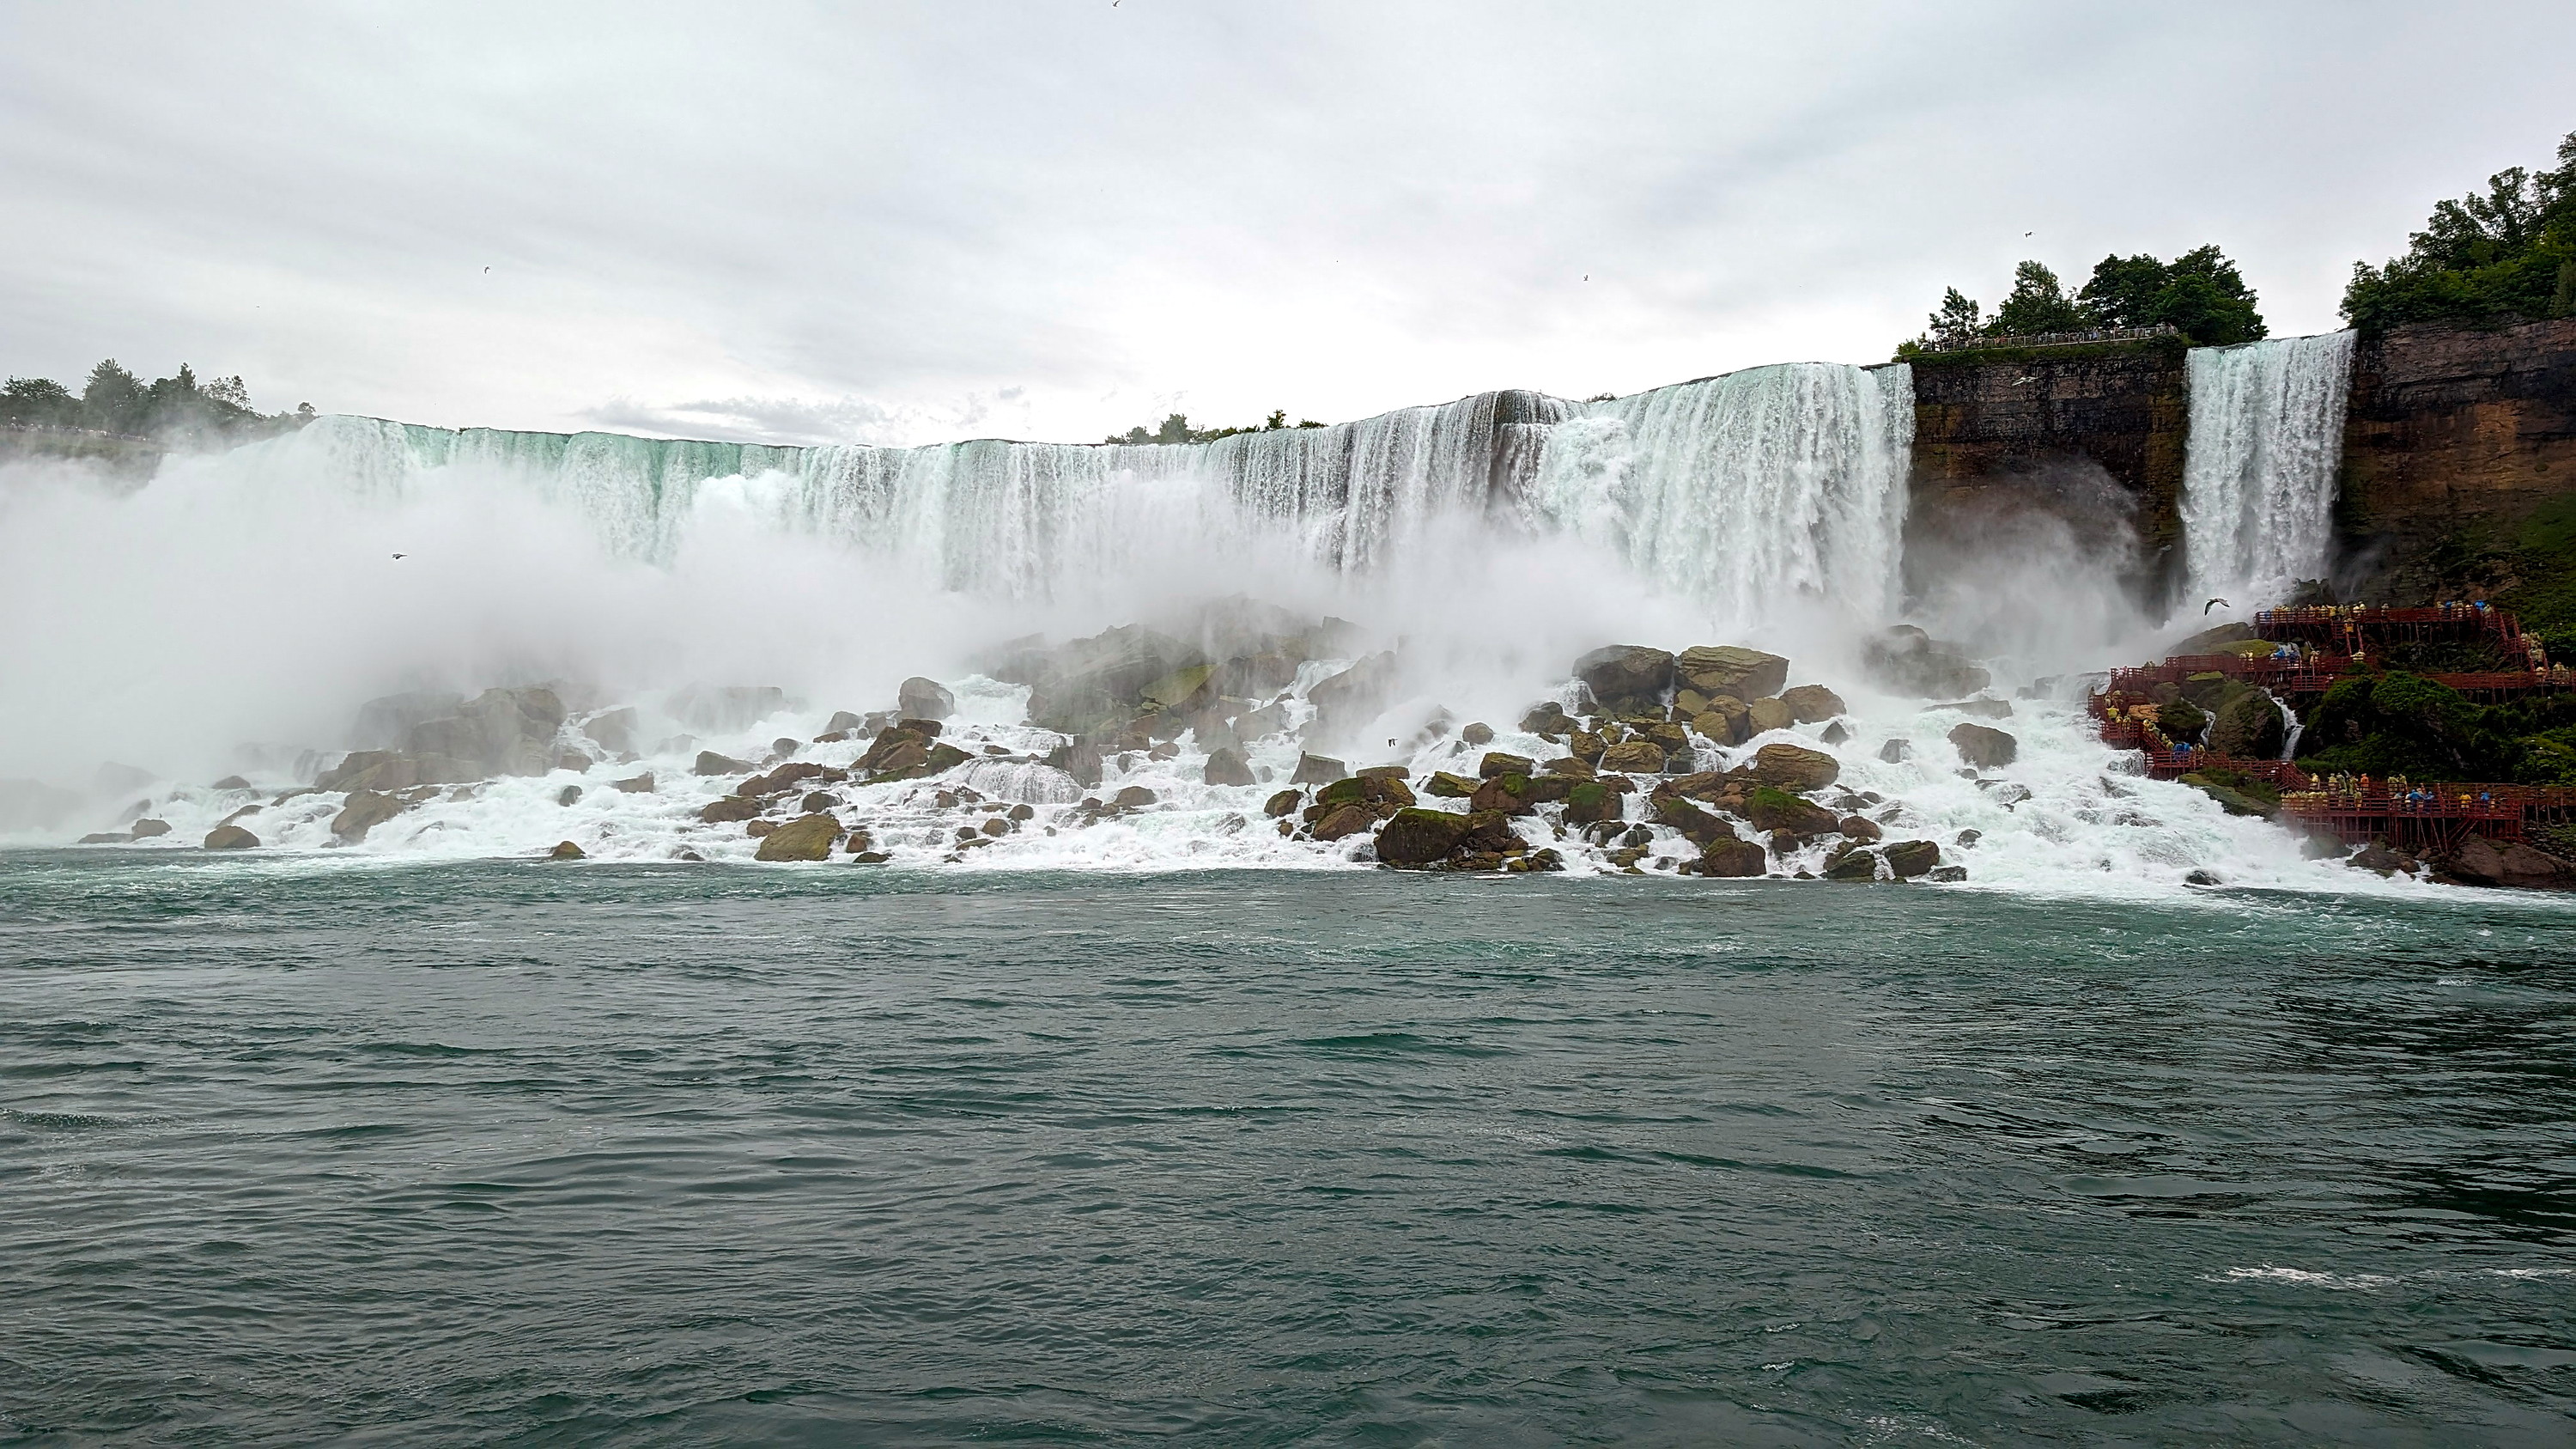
x: 2037, y: 304
x: 1278, y: 419
x: 2201, y: 294
x: 38, y: 402
x: 1957, y: 322
x: 114, y: 400
x: 2486, y: 259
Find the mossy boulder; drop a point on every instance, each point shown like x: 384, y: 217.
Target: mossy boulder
x: 807, y: 837
x: 1418, y: 837
x: 1498, y: 763
x: 1449, y: 787
x: 1590, y: 802
x: 1773, y: 809
x: 1508, y: 794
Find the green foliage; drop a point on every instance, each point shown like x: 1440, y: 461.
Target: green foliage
x: 2037, y: 304
x: 2201, y: 294
x: 2488, y: 259
x: 2407, y: 725
x: 114, y: 400
x: 2543, y: 564
x: 1176, y: 428
x: 2181, y: 720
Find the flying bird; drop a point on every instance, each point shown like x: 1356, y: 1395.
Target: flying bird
x: 2212, y: 604
x: 2024, y: 234
x: 402, y: 555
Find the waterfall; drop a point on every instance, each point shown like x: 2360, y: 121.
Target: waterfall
x: 1737, y: 491
x: 2259, y: 469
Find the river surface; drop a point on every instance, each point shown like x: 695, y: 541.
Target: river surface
x: 511, y: 1153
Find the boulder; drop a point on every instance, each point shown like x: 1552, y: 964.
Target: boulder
x: 1503, y: 794
x: 1979, y: 708
x: 1134, y: 797
x: 148, y: 829
x: 568, y: 795
x: 1626, y: 674
x: 1860, y: 828
x: 565, y: 850
x: 364, y: 811
x: 1910, y: 858
x: 1767, y: 714
x: 231, y: 837
x: 1983, y: 747
x: 634, y: 784
x: 1283, y: 803
x: 1794, y: 767
x: 920, y: 698
x: 1834, y: 734
x: 730, y: 809
x: 1777, y: 810
x: 1905, y: 660
x: 807, y: 837
x: 2486, y: 862
x: 1732, y: 858
x: 1342, y: 821
x: 1727, y: 720
x: 1546, y: 718
x: 1477, y: 735
x: 1497, y: 763
x: 383, y: 724
x: 498, y: 732
x: 1346, y: 700
x: 612, y: 730
x: 1697, y: 826
x: 1419, y: 837
x: 1853, y: 865
x: 1634, y: 756
x: 230, y: 782
x: 1896, y: 752
x: 1732, y: 670
x: 1590, y: 802
x: 1812, y: 703
x: 1448, y: 786
x: 2247, y: 725
x: 1316, y: 770
x: 711, y: 763
x: 1227, y: 766
x: 1490, y: 832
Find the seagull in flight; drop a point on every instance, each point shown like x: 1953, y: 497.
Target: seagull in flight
x: 2212, y: 604
x: 402, y: 555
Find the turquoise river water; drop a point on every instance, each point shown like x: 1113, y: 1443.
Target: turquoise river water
x: 509, y: 1153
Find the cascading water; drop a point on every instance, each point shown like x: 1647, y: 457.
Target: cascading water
x: 1738, y: 490
x: 2259, y: 470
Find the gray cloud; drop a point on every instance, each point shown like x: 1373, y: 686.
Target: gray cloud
x: 874, y: 226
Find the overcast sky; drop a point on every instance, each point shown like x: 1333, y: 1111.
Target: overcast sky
x: 905, y: 223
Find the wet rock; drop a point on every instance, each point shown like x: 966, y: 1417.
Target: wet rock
x: 1730, y: 858
x: 1227, y: 766
x: 2485, y: 862
x: 1548, y: 719
x: 1340, y: 822
x: 612, y: 730
x: 997, y: 826
x: 1767, y: 714
x: 760, y: 829
x: 844, y: 723
x: 1697, y: 826
x: 1283, y: 803
x: 1133, y: 797
x: 870, y: 857
x: 1731, y: 670
x: 2202, y: 878
x: 1448, y: 786
x: 1726, y: 721
x: 383, y: 724
x: 1905, y: 660
x: 1853, y: 865
x: 724, y: 709
x: 920, y: 698
x: 1777, y: 811
x: 2232, y: 800
x: 1860, y: 828
x: 807, y: 837
x: 565, y: 850
x: 1896, y: 752
x: 230, y: 837
x: 1496, y: 763
x: 1591, y: 802
x: 1967, y: 839
x: 1477, y: 736
x: 498, y: 732
x: 1947, y: 874
x: 1636, y: 756
x: 819, y: 801
x: 1502, y: 795
x: 634, y: 784
x: 1811, y: 703
x: 711, y: 763
x: 231, y: 782
x: 2247, y: 725
x: 148, y: 829
x: 568, y: 795
x: 1910, y: 858
x: 364, y: 811
x: 1834, y: 734
x: 1626, y: 674
x: 730, y: 809
x: 1794, y: 767
x: 1980, y: 708
x: 1316, y: 770
x: 1345, y: 701
x: 1418, y: 837
x: 1985, y: 748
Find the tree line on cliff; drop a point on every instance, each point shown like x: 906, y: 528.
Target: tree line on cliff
x: 1176, y: 429
x: 2507, y: 254
x: 2200, y: 294
x: 114, y: 400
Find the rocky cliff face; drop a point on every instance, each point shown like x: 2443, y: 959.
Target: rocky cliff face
x: 2091, y: 435
x: 2454, y: 440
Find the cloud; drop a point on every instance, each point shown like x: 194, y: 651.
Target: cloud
x: 877, y: 226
